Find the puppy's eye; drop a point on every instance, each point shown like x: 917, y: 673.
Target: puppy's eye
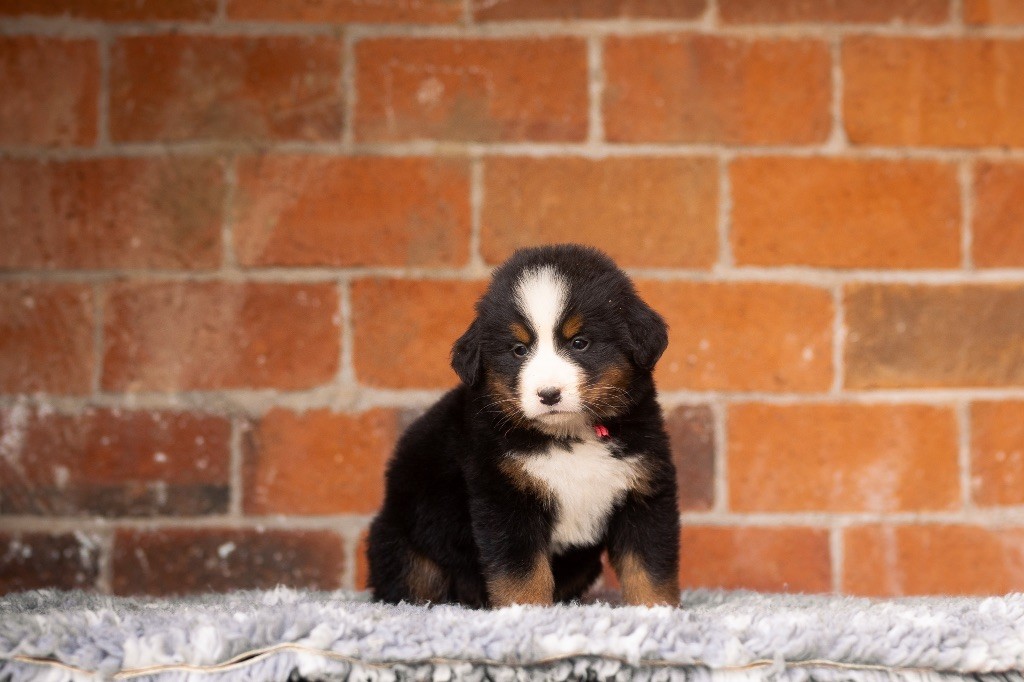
x: 579, y: 343
x: 519, y: 350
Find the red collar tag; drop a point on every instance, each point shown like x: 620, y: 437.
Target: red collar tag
x: 602, y: 431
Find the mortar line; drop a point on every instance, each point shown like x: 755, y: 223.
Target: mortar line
x: 963, y: 420
x: 235, y: 481
x: 595, y: 90
x: 348, y: 91
x: 346, y: 363
x: 836, y: 557
x: 221, y: 14
x: 965, y: 176
x: 724, y: 224
x: 720, y: 417
x: 838, y: 339
x: 467, y: 13
x: 103, y: 45
x: 838, y: 141
x: 956, y: 14
x: 229, y: 260
x: 712, y: 18
x: 98, y: 313
x: 476, y: 263
x: 106, y: 537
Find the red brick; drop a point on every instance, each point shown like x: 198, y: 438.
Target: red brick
x: 834, y: 11
x: 902, y: 336
x: 763, y: 559
x: 51, y: 91
x: 342, y: 11
x: 318, y: 462
x: 316, y: 210
x: 46, y: 342
x: 997, y: 453
x: 845, y: 213
x: 169, y: 336
x: 927, y: 559
x: 842, y: 458
x: 362, y: 568
x: 998, y: 214
x: 471, y: 90
x: 693, y: 88
x: 184, y: 561
x: 228, y: 88
x: 32, y: 561
x: 112, y: 463
x: 938, y: 92
x: 404, y: 330
x: 743, y: 336
x: 654, y: 212
x: 111, y: 213
x: 691, y: 430
x: 112, y: 10
x: 505, y: 10
x: 993, y: 12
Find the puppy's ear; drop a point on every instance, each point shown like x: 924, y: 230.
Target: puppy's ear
x: 648, y: 333
x: 466, y: 359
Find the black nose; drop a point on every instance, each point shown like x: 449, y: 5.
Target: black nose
x: 550, y: 396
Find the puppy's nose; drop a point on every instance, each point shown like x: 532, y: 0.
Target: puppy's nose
x: 550, y: 396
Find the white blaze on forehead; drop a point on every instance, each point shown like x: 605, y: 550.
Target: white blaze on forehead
x: 541, y: 295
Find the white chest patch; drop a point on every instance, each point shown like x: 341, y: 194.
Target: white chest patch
x: 586, y: 482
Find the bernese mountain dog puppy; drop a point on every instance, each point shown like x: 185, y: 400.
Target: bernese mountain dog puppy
x: 551, y: 450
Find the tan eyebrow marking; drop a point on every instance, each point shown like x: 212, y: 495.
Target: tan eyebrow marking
x: 572, y: 326
x: 520, y: 332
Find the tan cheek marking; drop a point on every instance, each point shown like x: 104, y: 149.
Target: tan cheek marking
x: 537, y: 587
x: 572, y: 326
x: 607, y: 395
x: 520, y: 332
x: 639, y: 588
x: 426, y: 580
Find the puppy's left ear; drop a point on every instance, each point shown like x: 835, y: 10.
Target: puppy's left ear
x: 466, y: 359
x: 648, y: 333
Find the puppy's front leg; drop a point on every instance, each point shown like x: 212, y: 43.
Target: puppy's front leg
x: 513, y: 541
x: 643, y: 546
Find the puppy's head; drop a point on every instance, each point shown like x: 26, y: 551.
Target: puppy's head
x: 559, y: 338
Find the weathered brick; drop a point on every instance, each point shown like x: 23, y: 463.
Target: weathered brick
x: 46, y: 342
x: 691, y: 431
x: 318, y: 462
x: 693, y: 88
x: 111, y: 213
x: 998, y: 227
x: 484, y: 90
x: 844, y: 458
x: 654, y: 212
x: 939, y: 92
x: 787, y: 559
x: 506, y: 10
x: 51, y: 91
x: 997, y: 453
x: 32, y: 561
x: 113, y: 10
x: 317, y: 210
x: 925, y: 336
x: 168, y: 336
x: 932, y: 559
x: 343, y: 11
x: 994, y: 12
x: 184, y: 561
x: 225, y: 87
x: 845, y: 213
x: 404, y: 330
x: 743, y: 336
x: 112, y: 463
x: 834, y: 11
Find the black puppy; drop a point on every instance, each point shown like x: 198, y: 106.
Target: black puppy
x: 552, y: 450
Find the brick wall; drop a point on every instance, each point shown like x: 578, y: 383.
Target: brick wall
x: 237, y: 238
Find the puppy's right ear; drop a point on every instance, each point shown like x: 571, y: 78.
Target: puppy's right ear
x: 466, y: 359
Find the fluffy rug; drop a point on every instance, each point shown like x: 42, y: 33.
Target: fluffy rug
x: 286, y: 634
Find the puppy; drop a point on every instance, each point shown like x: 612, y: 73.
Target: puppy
x: 551, y: 450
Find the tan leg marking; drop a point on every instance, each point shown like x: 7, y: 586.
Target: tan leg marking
x: 639, y: 588
x: 537, y: 587
x: 426, y: 580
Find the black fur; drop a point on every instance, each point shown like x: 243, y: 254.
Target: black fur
x: 448, y: 500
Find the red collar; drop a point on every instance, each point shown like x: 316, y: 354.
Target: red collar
x: 602, y: 431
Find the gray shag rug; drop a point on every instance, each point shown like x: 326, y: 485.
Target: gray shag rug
x: 289, y: 635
